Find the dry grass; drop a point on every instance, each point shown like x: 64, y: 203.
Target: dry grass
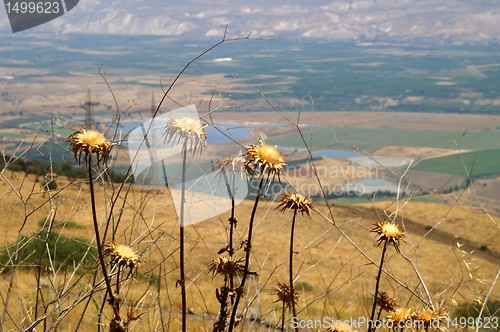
x: 337, y: 276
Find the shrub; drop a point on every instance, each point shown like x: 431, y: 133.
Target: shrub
x: 64, y: 252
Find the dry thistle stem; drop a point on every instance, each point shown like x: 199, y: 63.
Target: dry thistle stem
x: 389, y: 232
x: 386, y: 302
x: 228, y: 266
x: 340, y: 326
x: 285, y: 295
x: 296, y: 202
x: 89, y: 142
x: 122, y: 255
x: 264, y: 158
x: 188, y: 130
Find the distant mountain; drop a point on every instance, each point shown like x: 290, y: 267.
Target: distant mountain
x: 456, y: 21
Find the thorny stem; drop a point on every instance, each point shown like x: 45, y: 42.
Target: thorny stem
x: 182, y: 280
x: 247, y: 256
x: 371, y: 324
x: 283, y: 317
x: 232, y: 224
x: 292, y: 291
x: 97, y: 237
x: 118, y: 280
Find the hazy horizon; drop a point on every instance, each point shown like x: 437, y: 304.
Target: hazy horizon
x: 451, y: 21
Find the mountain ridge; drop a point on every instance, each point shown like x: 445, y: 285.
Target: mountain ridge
x: 450, y: 21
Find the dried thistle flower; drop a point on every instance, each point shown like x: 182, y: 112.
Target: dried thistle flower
x: 401, y: 314
x: 386, y: 302
x: 427, y: 317
x: 264, y: 158
x: 122, y: 255
x: 231, y: 165
x: 285, y: 294
x: 89, y: 142
x: 188, y: 130
x: 228, y: 266
x: 296, y: 202
x: 390, y: 232
x: 340, y: 326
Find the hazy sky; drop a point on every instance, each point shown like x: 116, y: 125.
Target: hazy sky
x: 449, y: 20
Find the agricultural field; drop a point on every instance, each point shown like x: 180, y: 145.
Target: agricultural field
x: 371, y: 132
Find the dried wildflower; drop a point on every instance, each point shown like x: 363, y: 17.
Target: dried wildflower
x: 340, y: 326
x: 264, y: 158
x: 401, y: 314
x: 228, y: 266
x: 231, y: 165
x: 122, y: 255
x: 296, y: 202
x: 89, y: 142
x: 285, y: 295
x: 427, y: 317
x: 188, y: 130
x: 133, y: 314
x: 386, y: 302
x: 390, y: 232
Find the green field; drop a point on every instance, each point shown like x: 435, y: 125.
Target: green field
x: 65, y: 132
x: 476, y: 163
x: 369, y: 140
x: 10, y: 135
x: 339, y: 76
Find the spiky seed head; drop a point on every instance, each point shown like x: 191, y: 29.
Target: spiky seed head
x: 285, y: 295
x: 188, y: 130
x: 228, y: 266
x: 122, y: 255
x: 340, y: 326
x: 386, y: 302
x: 89, y: 142
x: 265, y: 159
x: 401, y: 314
x: 390, y: 232
x: 296, y: 202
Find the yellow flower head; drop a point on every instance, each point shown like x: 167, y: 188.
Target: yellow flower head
x: 186, y: 130
x: 122, y: 255
x: 401, y: 314
x: 264, y: 158
x: 426, y: 317
x: 285, y: 295
x: 340, y: 326
x: 390, y: 232
x: 228, y: 266
x: 89, y: 142
x: 296, y: 202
